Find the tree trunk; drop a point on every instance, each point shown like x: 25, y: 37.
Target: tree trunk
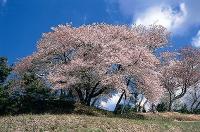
x: 170, y: 102
x: 143, y: 108
x: 94, y: 101
x: 139, y: 106
x: 122, y: 111
x: 153, y: 108
x: 80, y: 95
x: 88, y: 100
x: 89, y: 94
x: 197, y: 106
x: 192, y: 105
x: 118, y: 102
x: 184, y: 90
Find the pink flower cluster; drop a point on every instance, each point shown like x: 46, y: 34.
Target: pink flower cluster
x: 97, y: 47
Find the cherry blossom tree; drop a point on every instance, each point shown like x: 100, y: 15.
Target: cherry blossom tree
x: 65, y: 52
x: 194, y: 98
x: 181, y: 71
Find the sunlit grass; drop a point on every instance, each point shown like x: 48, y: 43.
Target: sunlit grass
x: 85, y: 123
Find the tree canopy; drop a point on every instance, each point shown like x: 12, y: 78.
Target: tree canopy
x: 94, y: 48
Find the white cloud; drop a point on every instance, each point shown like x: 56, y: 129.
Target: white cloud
x: 196, y: 40
x: 177, y: 15
x: 111, y: 103
x: 163, y: 15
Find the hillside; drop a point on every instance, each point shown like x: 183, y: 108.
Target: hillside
x: 100, y: 121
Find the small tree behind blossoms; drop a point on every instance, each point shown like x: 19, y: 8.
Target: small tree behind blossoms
x: 96, y: 47
x: 181, y: 71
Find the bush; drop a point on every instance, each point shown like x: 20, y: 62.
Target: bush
x: 34, y: 97
x: 161, y: 107
x: 3, y: 100
x: 183, y: 109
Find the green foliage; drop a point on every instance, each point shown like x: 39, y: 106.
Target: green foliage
x: 34, y: 94
x: 32, y: 97
x: 183, y: 109
x: 4, y: 69
x: 35, y: 88
x: 4, y: 72
x: 197, y: 111
x: 161, y: 107
x: 37, y: 98
x: 3, y: 99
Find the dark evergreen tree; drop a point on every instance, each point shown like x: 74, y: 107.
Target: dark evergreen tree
x: 5, y: 70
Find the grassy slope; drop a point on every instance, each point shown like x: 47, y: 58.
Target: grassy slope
x: 96, y: 120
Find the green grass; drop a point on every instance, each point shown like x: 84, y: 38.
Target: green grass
x: 85, y: 123
x: 85, y: 119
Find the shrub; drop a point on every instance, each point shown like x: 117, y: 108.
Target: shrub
x: 161, y: 107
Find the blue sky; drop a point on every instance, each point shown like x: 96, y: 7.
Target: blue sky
x: 22, y: 22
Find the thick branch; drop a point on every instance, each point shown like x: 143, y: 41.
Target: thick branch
x: 197, y: 106
x: 66, y: 58
x: 98, y: 92
x: 118, y: 102
x: 138, y: 58
x: 94, y: 88
x: 183, y: 91
x: 80, y: 95
x: 89, y: 96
